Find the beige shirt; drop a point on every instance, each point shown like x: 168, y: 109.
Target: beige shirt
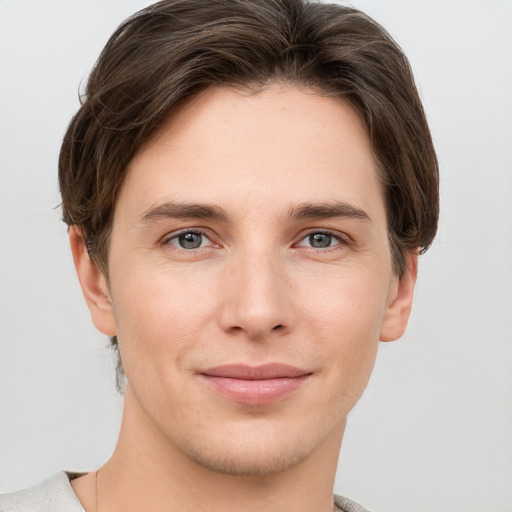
x: 57, y: 495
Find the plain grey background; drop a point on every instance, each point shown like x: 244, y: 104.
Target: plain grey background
x: 433, y: 430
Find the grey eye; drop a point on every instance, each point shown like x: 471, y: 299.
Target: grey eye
x: 190, y: 240
x: 320, y: 240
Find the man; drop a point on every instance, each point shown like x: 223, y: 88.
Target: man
x: 247, y: 186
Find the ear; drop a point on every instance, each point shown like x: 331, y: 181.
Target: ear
x: 399, y: 305
x: 94, y: 285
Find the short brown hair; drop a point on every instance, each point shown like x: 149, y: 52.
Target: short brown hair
x: 176, y: 48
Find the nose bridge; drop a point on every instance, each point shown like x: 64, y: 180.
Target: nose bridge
x: 257, y: 293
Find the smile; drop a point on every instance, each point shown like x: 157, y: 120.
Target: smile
x: 252, y: 385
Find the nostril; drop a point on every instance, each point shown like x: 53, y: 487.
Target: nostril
x: 277, y: 327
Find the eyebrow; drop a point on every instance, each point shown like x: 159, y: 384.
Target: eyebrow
x: 326, y: 211
x: 310, y: 211
x: 184, y: 211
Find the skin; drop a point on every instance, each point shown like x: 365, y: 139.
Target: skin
x: 256, y: 291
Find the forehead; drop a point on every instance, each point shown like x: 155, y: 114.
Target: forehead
x: 284, y: 143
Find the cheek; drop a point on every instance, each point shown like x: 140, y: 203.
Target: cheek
x: 344, y: 316
x: 159, y: 316
x: 349, y: 303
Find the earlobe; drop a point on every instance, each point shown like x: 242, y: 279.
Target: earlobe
x: 93, y: 283
x: 399, y: 305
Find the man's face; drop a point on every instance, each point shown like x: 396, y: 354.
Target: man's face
x: 250, y: 278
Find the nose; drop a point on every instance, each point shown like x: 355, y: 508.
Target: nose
x: 257, y: 297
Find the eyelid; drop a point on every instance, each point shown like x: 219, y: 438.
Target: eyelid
x: 342, y: 238
x: 175, y: 234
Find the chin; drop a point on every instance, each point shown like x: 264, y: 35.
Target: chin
x: 248, y: 462
x: 257, y: 452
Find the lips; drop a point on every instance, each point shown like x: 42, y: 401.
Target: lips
x: 255, y: 385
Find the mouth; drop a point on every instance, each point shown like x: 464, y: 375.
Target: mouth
x: 255, y: 385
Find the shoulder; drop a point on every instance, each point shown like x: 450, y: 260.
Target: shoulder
x: 345, y: 505
x: 53, y: 495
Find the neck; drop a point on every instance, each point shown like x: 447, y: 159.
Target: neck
x: 147, y: 472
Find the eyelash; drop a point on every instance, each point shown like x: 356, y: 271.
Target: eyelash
x: 174, y: 236
x: 341, y: 240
